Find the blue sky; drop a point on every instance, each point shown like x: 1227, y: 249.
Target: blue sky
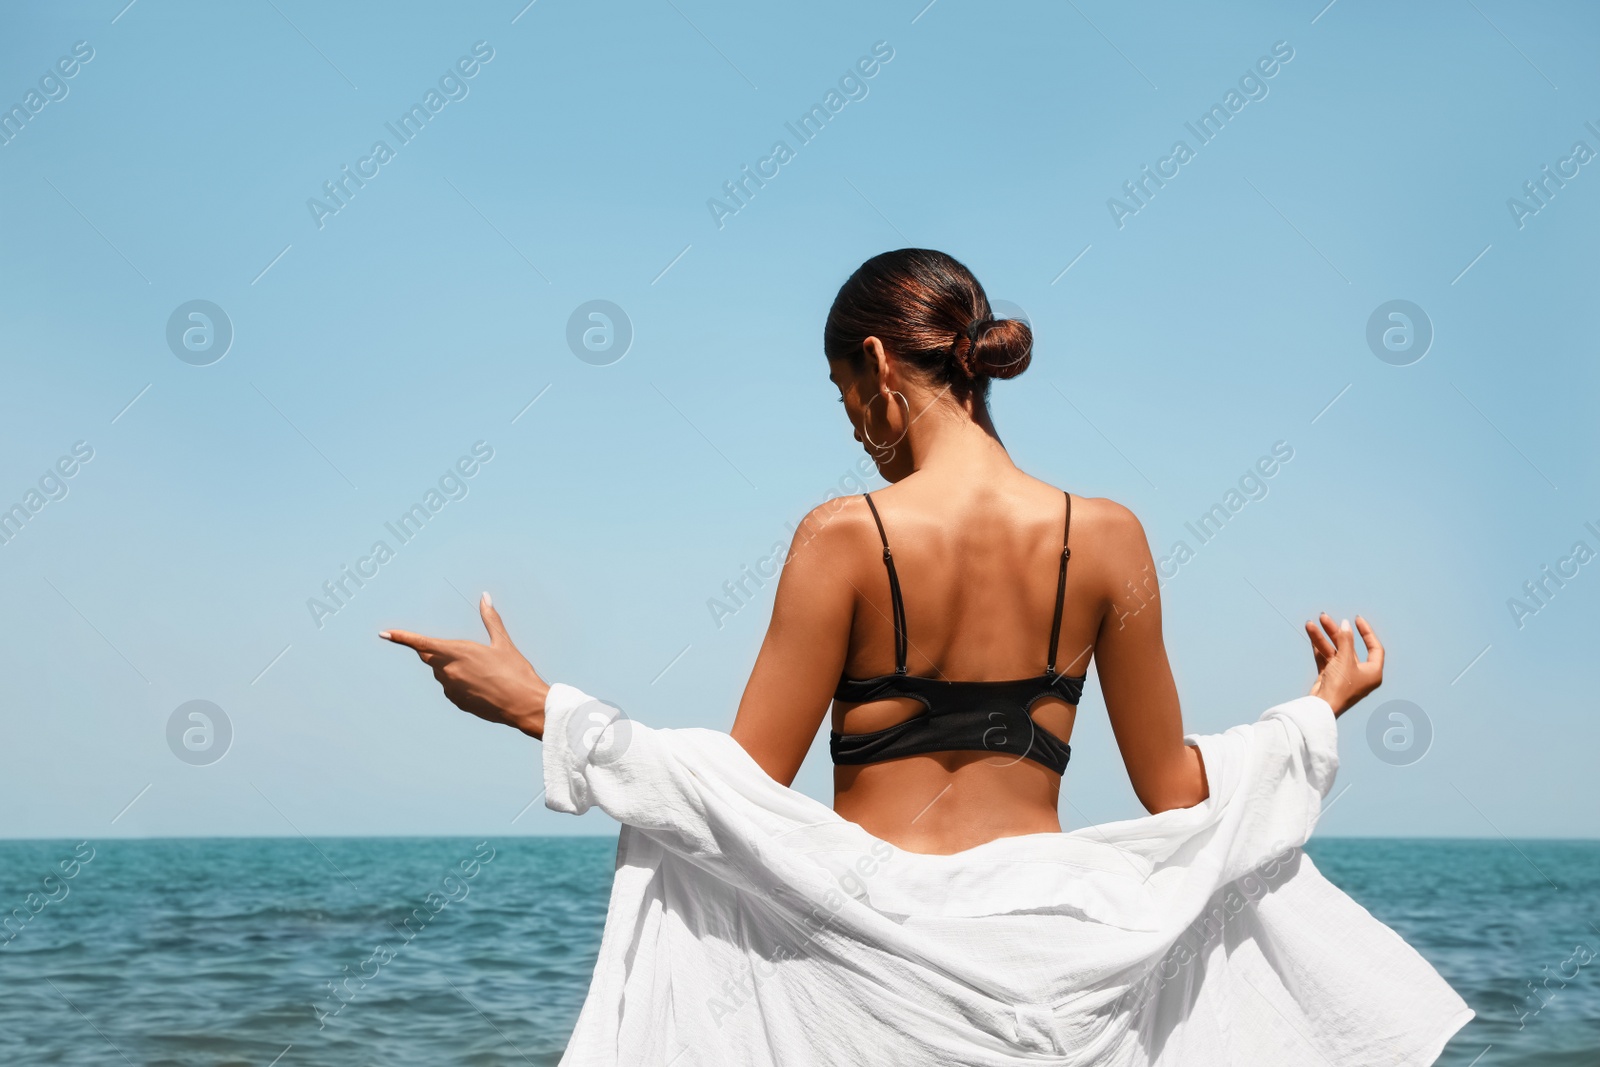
x: 1181, y: 337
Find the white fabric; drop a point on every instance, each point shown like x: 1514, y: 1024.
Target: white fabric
x: 749, y: 924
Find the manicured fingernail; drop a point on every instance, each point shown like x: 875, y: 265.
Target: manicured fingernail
x: 487, y: 601
x: 1344, y: 624
x: 384, y: 634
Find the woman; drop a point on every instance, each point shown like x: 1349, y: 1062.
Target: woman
x: 942, y: 621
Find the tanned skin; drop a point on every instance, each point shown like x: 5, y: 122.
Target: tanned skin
x: 977, y: 545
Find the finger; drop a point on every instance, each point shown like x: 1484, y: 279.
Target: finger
x: 430, y: 650
x: 1370, y: 639
x: 410, y: 640
x: 1319, y: 644
x: 1331, y: 628
x: 498, y: 638
x: 1345, y: 640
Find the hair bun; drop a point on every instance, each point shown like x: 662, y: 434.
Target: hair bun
x: 1003, y: 349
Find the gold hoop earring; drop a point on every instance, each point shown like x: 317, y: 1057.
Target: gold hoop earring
x: 867, y: 411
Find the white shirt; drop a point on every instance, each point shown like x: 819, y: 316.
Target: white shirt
x: 750, y: 924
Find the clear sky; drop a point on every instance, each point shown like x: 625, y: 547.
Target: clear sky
x: 572, y: 153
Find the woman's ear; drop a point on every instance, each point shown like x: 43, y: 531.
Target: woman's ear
x: 877, y: 362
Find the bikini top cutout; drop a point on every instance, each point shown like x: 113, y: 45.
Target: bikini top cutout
x: 960, y: 716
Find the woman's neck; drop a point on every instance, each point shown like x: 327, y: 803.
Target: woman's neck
x: 957, y: 438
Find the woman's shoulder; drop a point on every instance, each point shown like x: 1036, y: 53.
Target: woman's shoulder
x: 1097, y: 515
x: 1106, y: 516
x: 834, y: 527
x: 1108, y: 539
x: 1105, y: 534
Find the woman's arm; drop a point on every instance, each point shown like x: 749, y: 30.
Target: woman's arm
x: 803, y: 655
x: 789, y: 691
x: 1141, y: 697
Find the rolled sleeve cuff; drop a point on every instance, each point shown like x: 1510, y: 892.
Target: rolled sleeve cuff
x: 565, y: 786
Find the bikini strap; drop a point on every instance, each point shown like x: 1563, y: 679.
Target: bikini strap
x: 894, y: 592
x: 1061, y: 588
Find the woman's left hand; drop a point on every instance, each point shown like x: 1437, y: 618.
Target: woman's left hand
x: 493, y: 681
x: 1342, y: 679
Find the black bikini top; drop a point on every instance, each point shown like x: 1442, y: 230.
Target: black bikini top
x: 961, y: 716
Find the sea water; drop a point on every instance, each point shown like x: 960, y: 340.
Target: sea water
x: 390, y: 951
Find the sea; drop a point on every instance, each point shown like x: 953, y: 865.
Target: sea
x: 392, y: 951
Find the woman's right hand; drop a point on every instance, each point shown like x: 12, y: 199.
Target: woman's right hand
x: 493, y: 681
x: 1342, y: 679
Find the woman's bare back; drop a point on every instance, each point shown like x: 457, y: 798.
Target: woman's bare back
x: 978, y: 563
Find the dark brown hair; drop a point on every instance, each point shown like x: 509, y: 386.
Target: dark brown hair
x: 926, y: 308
